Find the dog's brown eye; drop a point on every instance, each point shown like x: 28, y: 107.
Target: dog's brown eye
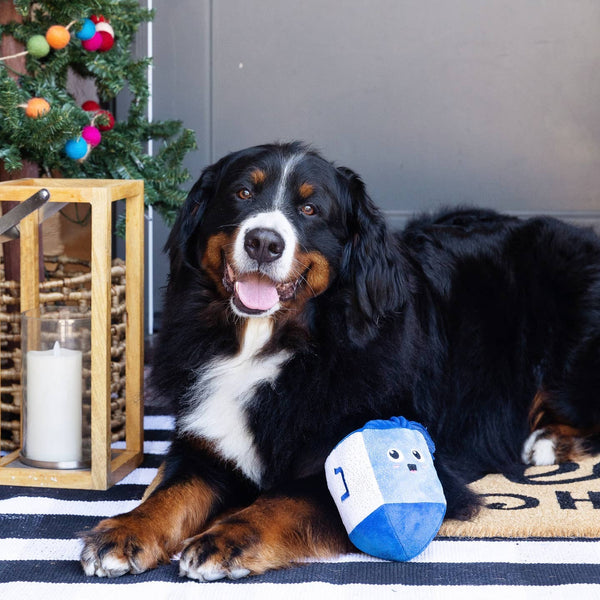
x: 244, y: 194
x: 309, y: 209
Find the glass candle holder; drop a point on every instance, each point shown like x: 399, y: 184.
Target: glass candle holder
x: 56, y: 355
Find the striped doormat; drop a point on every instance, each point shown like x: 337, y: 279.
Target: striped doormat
x: 553, y: 501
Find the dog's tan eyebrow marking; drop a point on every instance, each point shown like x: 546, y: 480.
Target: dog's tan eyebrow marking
x: 258, y: 176
x: 306, y: 190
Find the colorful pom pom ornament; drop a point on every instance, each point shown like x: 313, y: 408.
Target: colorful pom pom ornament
x: 111, y: 121
x: 36, y: 107
x: 103, y: 37
x: 93, y: 43
x: 37, y: 46
x: 90, y: 105
x: 76, y: 148
x: 91, y: 135
x: 58, y: 37
x: 87, y: 31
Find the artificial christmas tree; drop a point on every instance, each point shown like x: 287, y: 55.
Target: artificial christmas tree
x: 41, y: 122
x: 49, y: 129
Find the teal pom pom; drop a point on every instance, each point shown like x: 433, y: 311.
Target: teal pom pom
x: 87, y: 31
x: 76, y: 149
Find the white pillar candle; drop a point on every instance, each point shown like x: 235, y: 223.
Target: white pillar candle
x: 54, y: 407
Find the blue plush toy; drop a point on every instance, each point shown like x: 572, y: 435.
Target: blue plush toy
x: 386, y: 488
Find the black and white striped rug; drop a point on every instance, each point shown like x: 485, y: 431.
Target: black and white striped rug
x: 39, y: 556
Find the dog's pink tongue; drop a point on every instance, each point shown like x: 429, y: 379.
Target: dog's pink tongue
x: 257, y: 293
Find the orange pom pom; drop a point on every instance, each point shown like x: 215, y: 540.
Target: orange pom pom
x: 36, y: 107
x: 58, y: 36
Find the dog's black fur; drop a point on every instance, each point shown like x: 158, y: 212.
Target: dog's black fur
x: 481, y: 326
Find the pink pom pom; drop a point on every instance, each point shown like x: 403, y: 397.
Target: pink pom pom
x: 91, y: 135
x: 93, y: 43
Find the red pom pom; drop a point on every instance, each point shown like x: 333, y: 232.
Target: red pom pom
x: 98, y: 19
x: 111, y: 121
x: 90, y: 105
x: 107, y: 41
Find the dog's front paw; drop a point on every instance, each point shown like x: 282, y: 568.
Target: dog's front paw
x: 118, y: 546
x: 223, y: 551
x: 273, y: 533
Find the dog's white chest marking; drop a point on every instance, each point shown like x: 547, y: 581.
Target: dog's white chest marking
x: 222, y: 391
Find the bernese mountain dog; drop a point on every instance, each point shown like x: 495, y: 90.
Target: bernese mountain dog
x: 293, y: 316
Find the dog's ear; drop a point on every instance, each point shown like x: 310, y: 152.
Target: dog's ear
x: 372, y: 263
x: 190, y: 214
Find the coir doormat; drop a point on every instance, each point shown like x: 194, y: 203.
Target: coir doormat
x: 553, y: 501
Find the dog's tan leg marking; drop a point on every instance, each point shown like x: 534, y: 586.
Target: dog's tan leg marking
x: 151, y: 533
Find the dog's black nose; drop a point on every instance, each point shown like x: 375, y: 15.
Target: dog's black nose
x: 264, y: 245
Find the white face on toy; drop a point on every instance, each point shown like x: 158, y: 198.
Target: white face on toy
x: 401, y: 463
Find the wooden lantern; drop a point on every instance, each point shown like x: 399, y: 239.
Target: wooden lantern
x: 107, y: 464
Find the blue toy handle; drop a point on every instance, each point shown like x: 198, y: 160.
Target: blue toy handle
x: 346, y: 494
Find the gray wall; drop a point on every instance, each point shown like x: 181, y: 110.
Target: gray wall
x: 493, y: 102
